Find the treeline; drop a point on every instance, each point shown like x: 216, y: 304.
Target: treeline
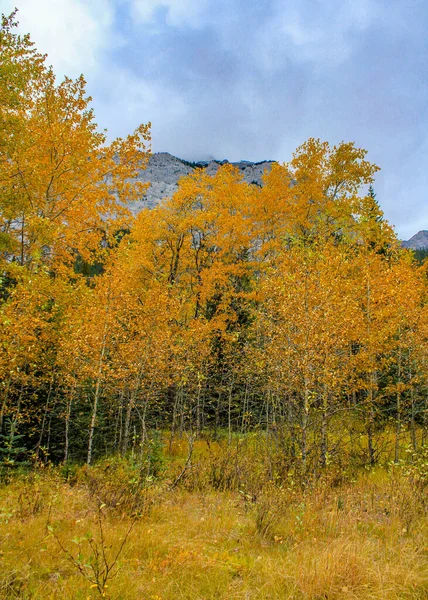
x: 289, y: 309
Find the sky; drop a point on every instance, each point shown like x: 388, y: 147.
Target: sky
x: 254, y: 79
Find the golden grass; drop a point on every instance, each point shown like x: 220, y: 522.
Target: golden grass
x: 362, y: 540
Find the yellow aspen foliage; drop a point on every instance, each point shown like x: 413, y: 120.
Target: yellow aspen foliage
x: 288, y: 308
x: 63, y: 190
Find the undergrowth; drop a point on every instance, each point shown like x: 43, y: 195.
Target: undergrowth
x: 229, y: 529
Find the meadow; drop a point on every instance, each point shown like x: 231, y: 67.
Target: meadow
x: 223, y: 525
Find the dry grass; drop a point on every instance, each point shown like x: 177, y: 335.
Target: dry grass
x: 366, y: 539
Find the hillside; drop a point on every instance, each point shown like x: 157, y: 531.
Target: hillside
x: 418, y: 242
x: 164, y: 171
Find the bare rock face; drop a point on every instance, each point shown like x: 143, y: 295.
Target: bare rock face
x: 164, y: 171
x: 418, y: 242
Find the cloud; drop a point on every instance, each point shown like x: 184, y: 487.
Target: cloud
x: 141, y: 100
x: 72, y: 32
x: 177, y: 12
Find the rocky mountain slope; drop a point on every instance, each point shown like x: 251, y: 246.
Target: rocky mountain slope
x: 164, y: 170
x: 418, y: 242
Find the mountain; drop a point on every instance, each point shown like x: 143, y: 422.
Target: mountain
x: 164, y: 170
x: 418, y: 242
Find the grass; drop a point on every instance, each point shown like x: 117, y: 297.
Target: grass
x: 364, y: 537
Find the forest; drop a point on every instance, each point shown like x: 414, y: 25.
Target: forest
x: 236, y: 338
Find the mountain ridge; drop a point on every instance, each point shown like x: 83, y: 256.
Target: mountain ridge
x: 417, y: 242
x: 164, y: 170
